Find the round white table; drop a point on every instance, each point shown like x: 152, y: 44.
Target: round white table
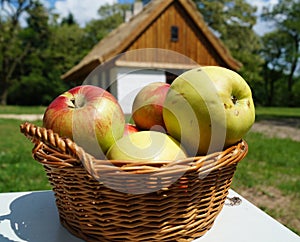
x: 33, y: 217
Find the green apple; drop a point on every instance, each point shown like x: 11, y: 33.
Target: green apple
x: 146, y: 145
x: 208, y: 109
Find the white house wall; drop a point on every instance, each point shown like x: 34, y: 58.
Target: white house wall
x: 130, y: 81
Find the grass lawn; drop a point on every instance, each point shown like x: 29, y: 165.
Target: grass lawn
x: 276, y: 112
x: 18, y: 170
x: 270, y: 162
x: 269, y: 176
x: 22, y: 109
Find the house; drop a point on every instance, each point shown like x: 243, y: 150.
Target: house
x: 157, y: 43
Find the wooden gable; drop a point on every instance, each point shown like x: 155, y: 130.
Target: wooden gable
x: 174, y: 25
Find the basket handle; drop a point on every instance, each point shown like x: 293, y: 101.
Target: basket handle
x: 40, y: 135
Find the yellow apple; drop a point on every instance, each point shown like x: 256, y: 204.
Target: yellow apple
x: 146, y: 145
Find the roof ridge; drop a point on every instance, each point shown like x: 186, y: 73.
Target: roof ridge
x: 119, y: 39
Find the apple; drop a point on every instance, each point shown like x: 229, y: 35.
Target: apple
x: 148, y: 105
x: 146, y: 145
x: 130, y: 128
x: 208, y: 109
x: 88, y: 115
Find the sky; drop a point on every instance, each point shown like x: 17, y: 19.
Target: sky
x: 85, y: 10
x: 82, y: 10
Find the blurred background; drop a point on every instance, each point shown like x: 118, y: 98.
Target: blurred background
x: 42, y: 40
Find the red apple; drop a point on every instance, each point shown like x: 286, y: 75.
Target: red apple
x: 89, y: 115
x: 130, y: 128
x: 147, y: 106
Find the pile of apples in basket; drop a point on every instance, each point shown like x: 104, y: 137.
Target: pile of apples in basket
x: 204, y: 110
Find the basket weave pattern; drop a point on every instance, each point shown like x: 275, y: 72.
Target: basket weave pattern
x: 175, y: 210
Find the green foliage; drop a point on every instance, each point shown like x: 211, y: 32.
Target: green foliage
x: 69, y: 20
x: 35, y: 85
x: 33, y: 57
x: 62, y: 57
x: 270, y: 62
x: 233, y: 21
x: 14, y: 46
x: 296, y: 91
x: 282, y: 46
x: 62, y: 46
x: 111, y: 16
x: 54, y: 49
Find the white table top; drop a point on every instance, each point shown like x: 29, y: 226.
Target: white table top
x: 33, y: 217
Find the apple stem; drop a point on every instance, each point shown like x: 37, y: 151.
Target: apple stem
x: 77, y: 102
x: 72, y: 103
x: 234, y: 99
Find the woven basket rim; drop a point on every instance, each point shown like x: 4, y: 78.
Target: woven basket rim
x: 41, y: 136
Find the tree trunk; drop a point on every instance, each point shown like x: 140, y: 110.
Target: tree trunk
x: 9, y: 63
x: 269, y: 86
x: 3, y: 86
x: 3, y: 97
x: 290, y: 81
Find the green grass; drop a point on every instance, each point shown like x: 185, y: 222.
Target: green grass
x: 272, y: 165
x: 276, y: 112
x: 22, y: 109
x: 18, y: 170
x: 270, y: 162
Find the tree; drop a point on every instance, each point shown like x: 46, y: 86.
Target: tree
x: 286, y: 19
x: 111, y: 16
x: 63, y: 45
x: 30, y: 74
x: 69, y: 20
x: 68, y: 45
x: 273, y: 71
x: 12, y: 50
x: 233, y: 21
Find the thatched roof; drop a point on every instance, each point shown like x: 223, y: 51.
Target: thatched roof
x: 122, y: 37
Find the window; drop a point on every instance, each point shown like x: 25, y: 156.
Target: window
x: 174, y: 33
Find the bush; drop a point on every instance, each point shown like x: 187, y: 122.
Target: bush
x: 35, y: 89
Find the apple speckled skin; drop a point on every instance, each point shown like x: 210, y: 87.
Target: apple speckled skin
x: 208, y: 109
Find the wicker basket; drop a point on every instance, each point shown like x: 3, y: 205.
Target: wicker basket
x: 176, y: 210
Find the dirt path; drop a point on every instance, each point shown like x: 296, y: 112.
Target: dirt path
x: 24, y: 117
x: 280, y: 128
x: 272, y: 199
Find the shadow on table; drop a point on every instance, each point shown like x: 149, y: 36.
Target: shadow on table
x: 4, y: 239
x: 31, y: 220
